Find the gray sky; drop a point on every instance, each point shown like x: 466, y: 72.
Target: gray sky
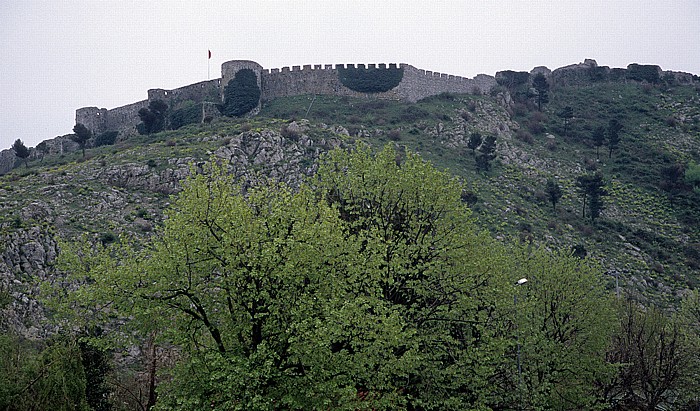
x: 57, y: 56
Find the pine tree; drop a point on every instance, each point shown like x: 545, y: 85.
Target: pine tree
x: 21, y: 151
x: 542, y: 88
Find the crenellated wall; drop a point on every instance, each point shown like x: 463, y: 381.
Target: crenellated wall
x: 323, y: 79
x: 288, y: 81
x: 416, y: 84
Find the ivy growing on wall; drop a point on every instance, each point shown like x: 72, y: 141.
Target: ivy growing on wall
x: 242, y: 94
x: 372, y: 80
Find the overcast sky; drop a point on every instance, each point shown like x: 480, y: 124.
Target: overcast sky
x: 57, y: 56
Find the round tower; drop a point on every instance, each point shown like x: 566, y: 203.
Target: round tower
x: 229, y: 70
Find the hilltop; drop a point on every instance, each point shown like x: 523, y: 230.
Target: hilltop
x: 647, y: 236
x: 582, y: 161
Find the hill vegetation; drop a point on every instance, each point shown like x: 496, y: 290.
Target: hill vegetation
x: 592, y: 194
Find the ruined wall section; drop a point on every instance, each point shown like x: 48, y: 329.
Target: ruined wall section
x: 204, y: 91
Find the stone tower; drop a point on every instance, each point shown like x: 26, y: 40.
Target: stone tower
x: 229, y: 70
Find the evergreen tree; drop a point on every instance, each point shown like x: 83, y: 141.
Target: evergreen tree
x: 81, y: 136
x: 474, y: 141
x: 541, y: 87
x: 598, y: 139
x: 567, y: 114
x: 614, y: 128
x: 591, y: 188
x: 21, y: 151
x: 553, y: 192
x: 487, y: 152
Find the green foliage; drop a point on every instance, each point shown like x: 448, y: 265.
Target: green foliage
x: 487, y: 153
x: 591, y: 188
x: 512, y: 79
x: 692, y: 176
x: 613, y: 134
x: 598, y: 139
x: 81, y: 136
x: 369, y: 288
x: 107, y: 138
x: 567, y: 113
x: 475, y: 141
x: 562, y: 345
x: 553, y: 191
x: 153, y: 117
x: 242, y: 94
x: 370, y: 80
x: 190, y: 114
x: 21, y: 151
x: 541, y: 86
x: 32, y: 378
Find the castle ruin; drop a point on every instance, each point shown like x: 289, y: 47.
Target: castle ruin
x: 415, y: 84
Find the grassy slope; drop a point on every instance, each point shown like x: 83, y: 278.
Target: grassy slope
x: 649, y: 230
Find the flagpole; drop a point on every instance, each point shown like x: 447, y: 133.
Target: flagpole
x: 208, y: 64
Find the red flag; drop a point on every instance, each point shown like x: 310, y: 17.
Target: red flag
x: 209, y: 53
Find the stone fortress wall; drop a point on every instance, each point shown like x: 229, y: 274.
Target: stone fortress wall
x: 274, y: 83
x: 416, y: 84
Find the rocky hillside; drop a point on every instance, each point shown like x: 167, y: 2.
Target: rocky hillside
x: 647, y: 236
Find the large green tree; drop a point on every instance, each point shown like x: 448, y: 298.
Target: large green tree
x: 565, y: 320
x: 369, y: 287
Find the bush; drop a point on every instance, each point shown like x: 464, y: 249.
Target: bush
x: 524, y: 136
x: 395, y: 135
x: 413, y: 113
x: 186, y: 115
x: 106, y: 139
x: 289, y: 133
x: 242, y: 94
x: 535, y: 126
x: 373, y: 80
x: 512, y: 79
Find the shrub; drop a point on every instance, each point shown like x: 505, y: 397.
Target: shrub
x: 186, y: 115
x: 290, y: 133
x: 107, y: 238
x: 413, y: 113
x: 512, y: 79
x: 535, y: 127
x: 372, y: 80
x: 395, y: 135
x: 465, y: 116
x: 524, y: 136
x: 106, y: 139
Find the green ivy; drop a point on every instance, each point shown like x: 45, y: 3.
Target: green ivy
x: 372, y: 80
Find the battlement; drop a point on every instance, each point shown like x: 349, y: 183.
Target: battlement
x: 281, y: 82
